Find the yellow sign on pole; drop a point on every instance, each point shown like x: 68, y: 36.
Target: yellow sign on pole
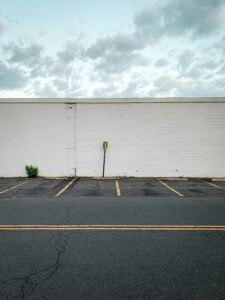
x: 105, y: 145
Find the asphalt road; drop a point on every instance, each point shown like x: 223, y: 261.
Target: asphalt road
x: 112, y: 264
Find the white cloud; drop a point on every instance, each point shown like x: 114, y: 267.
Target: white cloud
x: 44, y: 90
x: 177, y: 17
x: 115, y: 62
x: 175, y: 49
x: 11, y: 78
x: 121, y: 42
x: 161, y: 62
x: 185, y: 60
x: 202, y: 88
x: 28, y: 55
x: 71, y: 51
x: 165, y: 84
x: 2, y: 27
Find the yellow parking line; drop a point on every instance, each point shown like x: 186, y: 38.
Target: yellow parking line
x: 171, y: 189
x: 212, y: 184
x: 112, y: 227
x: 65, y: 187
x: 118, y: 190
x: 107, y: 226
x: 14, y: 187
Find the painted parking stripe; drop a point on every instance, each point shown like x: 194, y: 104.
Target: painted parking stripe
x: 14, y: 187
x: 171, y: 189
x: 212, y: 184
x: 112, y: 227
x: 65, y: 187
x: 118, y: 190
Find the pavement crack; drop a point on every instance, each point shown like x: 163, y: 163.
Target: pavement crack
x: 21, y: 287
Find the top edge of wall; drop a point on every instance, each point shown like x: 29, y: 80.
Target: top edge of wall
x: 115, y: 100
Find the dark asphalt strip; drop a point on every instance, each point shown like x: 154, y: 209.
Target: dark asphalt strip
x: 112, y: 265
x: 107, y: 210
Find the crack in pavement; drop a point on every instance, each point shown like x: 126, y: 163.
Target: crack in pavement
x: 25, y: 285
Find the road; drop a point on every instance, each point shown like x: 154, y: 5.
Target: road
x: 112, y: 264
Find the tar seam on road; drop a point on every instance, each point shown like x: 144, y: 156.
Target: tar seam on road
x: 212, y: 184
x: 14, y: 187
x: 171, y: 189
x: 118, y: 190
x: 65, y: 187
x: 112, y: 227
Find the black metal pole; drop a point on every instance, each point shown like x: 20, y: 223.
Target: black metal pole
x: 103, y: 171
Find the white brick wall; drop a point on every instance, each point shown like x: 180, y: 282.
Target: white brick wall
x: 70, y: 114
x: 32, y: 134
x: 146, y: 139
x: 164, y: 139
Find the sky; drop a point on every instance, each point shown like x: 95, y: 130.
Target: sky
x: 98, y: 48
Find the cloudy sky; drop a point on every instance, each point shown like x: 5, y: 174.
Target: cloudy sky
x: 98, y: 48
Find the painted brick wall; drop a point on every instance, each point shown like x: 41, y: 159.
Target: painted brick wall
x: 163, y: 139
x: 32, y: 134
x: 148, y: 139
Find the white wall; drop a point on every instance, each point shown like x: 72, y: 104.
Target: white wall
x: 70, y: 114
x: 164, y: 139
x: 32, y: 134
x: 146, y: 139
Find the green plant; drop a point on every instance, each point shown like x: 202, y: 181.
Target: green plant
x: 32, y: 171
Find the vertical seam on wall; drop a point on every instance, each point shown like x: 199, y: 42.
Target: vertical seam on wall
x: 65, y: 140
x: 75, y: 139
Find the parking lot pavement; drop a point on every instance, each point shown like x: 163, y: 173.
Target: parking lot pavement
x: 7, y: 183
x: 198, y: 187
x: 112, y: 264
x: 220, y: 184
x: 125, y: 187
x: 92, y: 187
x: 35, y: 187
x: 143, y: 187
x: 43, y: 257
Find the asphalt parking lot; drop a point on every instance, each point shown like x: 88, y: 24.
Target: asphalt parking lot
x: 49, y: 250
x: 86, y: 238
x: 125, y: 187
